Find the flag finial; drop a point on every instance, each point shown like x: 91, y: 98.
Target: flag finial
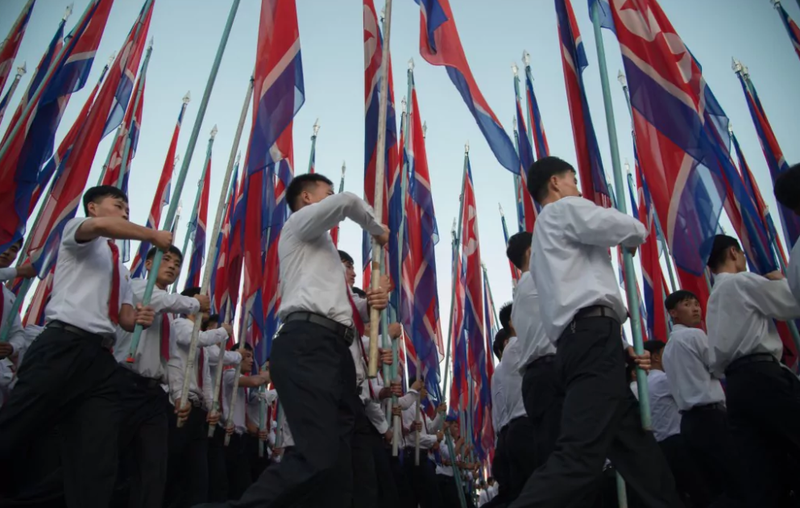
x: 403, y: 104
x: 466, y: 147
x: 150, y: 43
x: 622, y: 80
x: 500, y: 207
x: 112, y: 58
x: 22, y: 69
x: 411, y: 64
x: 176, y: 160
x: 776, y: 3
x: 424, y: 130
x: 214, y: 131
x: 737, y: 66
x: 238, y: 157
x: 514, y: 68
x: 526, y: 58
x: 627, y: 167
x: 730, y: 128
x: 67, y: 12
x: 187, y: 98
x: 344, y: 168
x: 316, y: 127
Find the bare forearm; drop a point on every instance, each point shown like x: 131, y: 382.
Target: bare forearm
x: 252, y: 381
x: 112, y: 227
x: 127, y: 318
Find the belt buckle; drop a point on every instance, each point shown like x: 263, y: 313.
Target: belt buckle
x: 350, y: 335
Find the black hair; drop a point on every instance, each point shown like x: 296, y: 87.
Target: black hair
x: 518, y: 245
x: 97, y: 194
x: 505, y: 315
x: 345, y: 257
x: 172, y: 250
x: 238, y: 345
x: 359, y: 292
x: 502, y: 335
x: 677, y: 297
x: 190, y: 292
x: 213, y: 318
x: 653, y: 346
x: 787, y: 188
x: 301, y: 183
x: 540, y: 173
x: 719, y: 250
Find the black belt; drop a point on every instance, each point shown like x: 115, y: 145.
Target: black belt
x: 149, y: 382
x: 596, y: 311
x: 104, y: 341
x: 749, y: 359
x: 714, y: 406
x: 346, y: 333
x: 543, y: 360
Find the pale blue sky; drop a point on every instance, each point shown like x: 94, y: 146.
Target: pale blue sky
x: 494, y: 34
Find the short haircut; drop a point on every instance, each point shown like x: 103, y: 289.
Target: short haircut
x: 677, y: 297
x: 345, y: 257
x: 654, y: 346
x: 502, y: 335
x: 238, y: 345
x: 97, y: 194
x: 301, y: 183
x: 505, y: 315
x: 719, y: 249
x: 540, y: 173
x: 172, y: 250
x: 213, y: 318
x: 518, y: 245
x: 787, y: 188
x: 359, y: 292
x: 190, y: 292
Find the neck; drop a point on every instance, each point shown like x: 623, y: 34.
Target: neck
x: 727, y: 268
x: 162, y: 285
x: 656, y: 366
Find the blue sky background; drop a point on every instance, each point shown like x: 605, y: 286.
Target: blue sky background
x: 494, y: 34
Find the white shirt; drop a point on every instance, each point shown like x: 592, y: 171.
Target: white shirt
x: 512, y: 380
x: 16, y: 336
x: 444, y: 454
x: 82, y: 283
x: 8, y: 273
x: 793, y: 272
x: 147, y: 361
x: 666, y: 417
x: 740, y: 313
x: 178, y: 358
x: 311, y: 273
x: 212, y: 357
x: 286, y: 433
x: 427, y: 437
x: 239, y: 410
x: 527, y: 320
x: 686, y: 362
x: 499, y: 406
x: 570, y: 260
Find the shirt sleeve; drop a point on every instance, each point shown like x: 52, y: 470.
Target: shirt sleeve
x: 68, y: 235
x: 436, y: 424
x: 125, y: 290
x: 17, y: 335
x: 772, y: 298
x: 314, y: 220
x: 376, y: 416
x: 163, y: 301
x: 407, y: 400
x: 8, y: 273
x: 586, y: 223
x: 183, y: 335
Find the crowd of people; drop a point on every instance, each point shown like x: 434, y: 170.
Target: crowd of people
x: 92, y: 417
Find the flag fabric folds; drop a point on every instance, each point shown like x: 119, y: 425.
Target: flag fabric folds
x: 573, y: 58
x: 29, y: 142
x: 161, y: 198
x: 791, y: 28
x: 198, y: 231
x: 526, y: 160
x: 10, y: 46
x: 129, y: 135
x: 537, y: 125
x: 439, y: 44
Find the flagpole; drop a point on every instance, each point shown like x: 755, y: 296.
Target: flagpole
x: 313, y: 154
x: 627, y: 258
x: 374, y: 314
x: 233, y: 160
x: 192, y: 225
x: 621, y: 78
x: 526, y: 59
x: 137, y: 98
x: 151, y: 278
x: 21, y: 70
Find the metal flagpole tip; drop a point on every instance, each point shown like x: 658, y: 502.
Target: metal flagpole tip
x: 627, y: 167
x: 500, y: 207
x: 187, y: 98
x: 776, y: 3
x: 238, y: 157
x: 424, y: 130
x: 466, y: 147
x: 68, y: 12
x: 316, y: 127
x: 736, y: 65
x: 411, y: 64
x: 150, y: 43
x: 112, y: 58
x: 22, y: 69
x: 214, y: 132
x: 344, y: 168
x: 403, y: 104
x: 622, y: 79
x: 514, y: 68
x: 730, y: 128
x: 526, y: 58
x: 453, y: 231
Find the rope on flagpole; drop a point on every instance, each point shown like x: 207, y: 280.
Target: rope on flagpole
x: 374, y: 314
x: 151, y: 279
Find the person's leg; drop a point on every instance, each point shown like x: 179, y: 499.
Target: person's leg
x: 521, y: 441
x: 305, y: 367
x: 388, y: 496
x: 149, y: 446
x: 543, y: 396
x: 689, y: 481
x: 340, y: 482
x: 196, y: 482
x: 237, y: 467
x: 365, y: 480
x: 431, y: 496
x: 217, y: 472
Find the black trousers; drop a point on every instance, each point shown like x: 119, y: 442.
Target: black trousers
x: 143, y: 437
x: 257, y: 464
x: 707, y: 436
x: 67, y: 382
x: 689, y: 480
x: 449, y: 491
x: 764, y: 413
x: 402, y: 480
x: 187, y: 467
x: 388, y: 496
x: 217, y: 470
x: 501, y: 467
x: 424, y: 484
x: 521, y: 451
x: 237, y: 466
x: 600, y: 419
x: 315, y: 377
x: 365, y: 478
x: 543, y: 396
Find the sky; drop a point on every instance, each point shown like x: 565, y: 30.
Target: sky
x: 186, y: 34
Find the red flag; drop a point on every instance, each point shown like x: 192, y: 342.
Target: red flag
x: 8, y: 51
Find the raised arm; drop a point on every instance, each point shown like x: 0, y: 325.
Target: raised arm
x: 586, y: 223
x: 163, y: 301
x: 120, y: 229
x: 314, y: 220
x: 772, y: 298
